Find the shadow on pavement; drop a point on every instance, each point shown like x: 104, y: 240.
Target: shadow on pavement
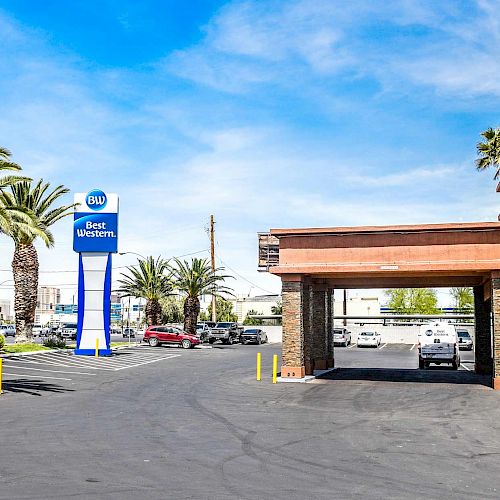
x: 32, y: 387
x: 432, y: 375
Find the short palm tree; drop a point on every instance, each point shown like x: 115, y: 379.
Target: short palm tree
x: 195, y: 279
x: 489, y: 151
x: 150, y: 280
x: 36, y: 202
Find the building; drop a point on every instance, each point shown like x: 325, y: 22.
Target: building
x: 261, y: 304
x: 356, y: 306
x: 47, y: 300
x: 5, y: 310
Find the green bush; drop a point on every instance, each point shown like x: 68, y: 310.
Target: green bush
x: 2, y: 341
x: 54, y: 342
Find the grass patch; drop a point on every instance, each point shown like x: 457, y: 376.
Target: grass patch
x: 16, y: 348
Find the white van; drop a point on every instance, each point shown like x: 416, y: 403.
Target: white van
x: 438, y: 343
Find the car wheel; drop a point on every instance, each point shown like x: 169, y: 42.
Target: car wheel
x: 243, y: 342
x: 420, y: 363
x: 454, y: 365
x: 230, y: 340
x: 211, y: 341
x: 186, y: 344
x: 153, y: 342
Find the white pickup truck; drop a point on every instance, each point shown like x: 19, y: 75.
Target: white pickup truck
x: 438, y: 343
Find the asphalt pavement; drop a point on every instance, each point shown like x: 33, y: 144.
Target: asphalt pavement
x: 195, y: 424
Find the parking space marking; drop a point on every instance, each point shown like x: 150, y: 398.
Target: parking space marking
x: 413, y: 347
x: 51, y: 371
x: 463, y: 366
x: 352, y: 345
x: 34, y: 376
x: 52, y: 362
x: 382, y: 346
x: 148, y: 362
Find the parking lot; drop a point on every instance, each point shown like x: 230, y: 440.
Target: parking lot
x: 173, y: 423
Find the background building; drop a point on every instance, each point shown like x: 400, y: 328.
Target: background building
x: 47, y: 300
x: 5, y: 310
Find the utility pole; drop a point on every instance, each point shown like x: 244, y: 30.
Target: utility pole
x: 212, y: 255
x: 345, y: 306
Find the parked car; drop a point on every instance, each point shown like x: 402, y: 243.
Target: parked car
x: 8, y: 330
x: 438, y: 343
x: 341, y: 336
x: 40, y: 331
x: 368, y: 339
x: 128, y: 332
x: 465, y: 340
x: 158, y: 335
x: 225, y: 331
x: 253, y: 335
x: 67, y: 331
x: 203, y: 331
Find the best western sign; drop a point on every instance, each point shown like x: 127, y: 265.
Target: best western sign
x: 96, y: 222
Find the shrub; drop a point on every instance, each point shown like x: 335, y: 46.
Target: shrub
x: 2, y: 341
x: 54, y: 342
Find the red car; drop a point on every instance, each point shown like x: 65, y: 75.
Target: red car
x: 157, y: 335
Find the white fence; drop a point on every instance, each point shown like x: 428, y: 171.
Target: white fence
x: 390, y: 334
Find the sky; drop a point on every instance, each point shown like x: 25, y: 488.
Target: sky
x: 291, y: 113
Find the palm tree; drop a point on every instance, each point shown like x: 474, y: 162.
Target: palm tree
x: 489, y: 151
x: 35, y: 202
x: 5, y: 182
x: 150, y: 280
x: 195, y: 279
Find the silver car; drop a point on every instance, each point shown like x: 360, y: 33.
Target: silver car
x: 465, y: 340
x: 341, y: 336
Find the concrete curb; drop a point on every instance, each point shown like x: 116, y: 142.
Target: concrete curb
x: 307, y: 378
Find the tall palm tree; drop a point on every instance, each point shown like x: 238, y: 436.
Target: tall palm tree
x: 5, y: 182
x: 34, y: 201
x: 195, y: 279
x: 489, y: 151
x: 150, y: 280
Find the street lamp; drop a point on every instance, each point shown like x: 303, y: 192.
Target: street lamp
x: 133, y: 253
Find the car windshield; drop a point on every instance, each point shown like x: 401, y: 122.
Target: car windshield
x: 200, y: 326
x: 338, y: 332
x: 464, y: 335
x: 223, y: 325
x: 367, y: 334
x: 69, y: 325
x: 251, y: 331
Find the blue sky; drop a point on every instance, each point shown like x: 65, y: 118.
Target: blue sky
x: 267, y: 114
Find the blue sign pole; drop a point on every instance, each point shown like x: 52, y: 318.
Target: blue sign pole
x: 95, y: 238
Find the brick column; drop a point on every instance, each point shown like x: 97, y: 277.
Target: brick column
x: 319, y: 327
x: 330, y: 363
x: 482, y: 312
x: 307, y: 311
x: 293, y: 294
x: 495, y: 306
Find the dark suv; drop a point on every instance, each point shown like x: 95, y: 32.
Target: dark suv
x: 227, y: 332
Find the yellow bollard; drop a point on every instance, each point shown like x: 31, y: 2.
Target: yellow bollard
x: 259, y: 362
x: 275, y: 368
x: 1, y: 375
x: 96, y: 348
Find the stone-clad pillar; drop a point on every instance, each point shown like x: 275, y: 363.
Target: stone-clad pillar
x: 330, y: 363
x: 319, y: 337
x: 482, y: 311
x: 495, y: 306
x: 307, y: 311
x: 294, y: 294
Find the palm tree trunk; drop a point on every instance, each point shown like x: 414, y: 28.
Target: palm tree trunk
x: 153, y: 312
x: 191, y: 311
x: 25, y: 270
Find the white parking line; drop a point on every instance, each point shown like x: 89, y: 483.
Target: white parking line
x: 382, y: 346
x: 352, y: 345
x: 34, y: 376
x: 51, y: 371
x: 66, y: 364
x: 148, y: 362
x: 413, y: 347
x: 463, y: 366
